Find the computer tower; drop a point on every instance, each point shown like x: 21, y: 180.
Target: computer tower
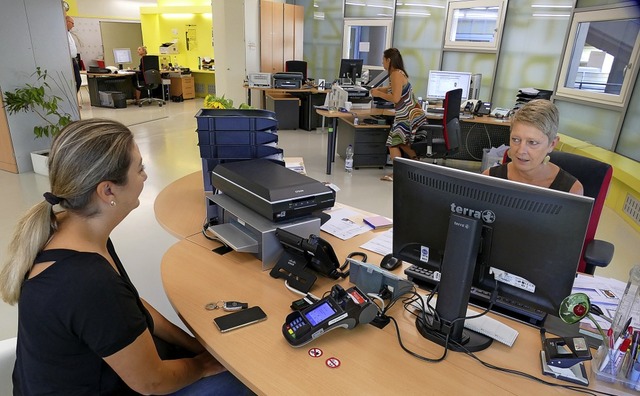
x: 474, y: 88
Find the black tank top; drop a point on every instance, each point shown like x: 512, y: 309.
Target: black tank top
x: 563, y: 181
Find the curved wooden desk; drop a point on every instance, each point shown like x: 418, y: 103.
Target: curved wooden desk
x: 372, y: 362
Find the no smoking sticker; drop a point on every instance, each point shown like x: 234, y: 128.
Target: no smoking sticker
x: 333, y: 362
x: 315, y: 352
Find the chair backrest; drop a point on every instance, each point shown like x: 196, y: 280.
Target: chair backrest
x: 152, y: 79
x: 296, y: 66
x: 451, y: 119
x: 150, y: 62
x: 595, y: 177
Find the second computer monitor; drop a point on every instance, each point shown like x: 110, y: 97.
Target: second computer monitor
x: 350, y: 70
x: 440, y: 82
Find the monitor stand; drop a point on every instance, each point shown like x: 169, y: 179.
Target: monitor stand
x: 458, y: 266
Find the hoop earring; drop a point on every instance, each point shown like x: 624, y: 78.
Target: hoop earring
x: 112, y: 203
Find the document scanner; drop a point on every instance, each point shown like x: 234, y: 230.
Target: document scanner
x: 272, y: 190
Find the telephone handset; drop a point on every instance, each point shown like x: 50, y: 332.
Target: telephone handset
x: 482, y: 108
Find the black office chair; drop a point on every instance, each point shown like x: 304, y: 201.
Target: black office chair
x: 595, y: 177
x: 296, y: 66
x: 439, y: 141
x: 151, y: 80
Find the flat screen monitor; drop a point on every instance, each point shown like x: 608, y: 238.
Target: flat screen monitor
x: 528, y: 242
x: 440, y: 82
x: 350, y: 69
x: 121, y: 56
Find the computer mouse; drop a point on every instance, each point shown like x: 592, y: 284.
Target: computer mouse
x: 390, y: 263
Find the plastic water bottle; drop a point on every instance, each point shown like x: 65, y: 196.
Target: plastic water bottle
x: 348, y: 160
x: 628, y: 303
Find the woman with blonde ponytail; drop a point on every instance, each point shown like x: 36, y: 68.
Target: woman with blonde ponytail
x: 82, y: 327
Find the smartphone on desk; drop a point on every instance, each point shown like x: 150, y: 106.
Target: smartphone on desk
x: 238, y: 319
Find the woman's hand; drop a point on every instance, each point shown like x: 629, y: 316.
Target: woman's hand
x: 210, y: 366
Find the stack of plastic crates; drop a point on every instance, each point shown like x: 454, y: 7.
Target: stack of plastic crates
x: 228, y: 135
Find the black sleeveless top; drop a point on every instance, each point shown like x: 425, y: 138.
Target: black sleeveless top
x: 563, y: 181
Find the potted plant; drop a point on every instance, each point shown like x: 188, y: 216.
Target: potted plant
x: 38, y: 99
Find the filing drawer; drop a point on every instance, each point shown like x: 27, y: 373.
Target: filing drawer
x: 369, y: 148
x: 370, y: 160
x: 371, y: 135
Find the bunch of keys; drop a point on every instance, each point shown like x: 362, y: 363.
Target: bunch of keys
x: 229, y: 306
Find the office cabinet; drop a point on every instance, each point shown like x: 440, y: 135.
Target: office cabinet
x: 281, y: 35
x: 368, y: 141
x: 7, y: 156
x: 184, y: 86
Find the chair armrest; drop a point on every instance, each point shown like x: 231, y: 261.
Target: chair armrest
x: 598, y: 253
x: 424, y: 137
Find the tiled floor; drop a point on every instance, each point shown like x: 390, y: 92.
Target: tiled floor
x: 167, y: 142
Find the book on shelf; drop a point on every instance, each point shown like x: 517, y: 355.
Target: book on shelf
x: 378, y: 222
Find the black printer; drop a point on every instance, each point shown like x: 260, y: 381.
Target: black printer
x: 288, y: 80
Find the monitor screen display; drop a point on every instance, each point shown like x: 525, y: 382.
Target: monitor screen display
x: 351, y: 69
x: 440, y: 82
x: 531, y: 237
x: 122, y: 55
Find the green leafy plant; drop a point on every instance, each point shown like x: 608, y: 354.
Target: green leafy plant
x: 220, y: 102
x: 37, y: 98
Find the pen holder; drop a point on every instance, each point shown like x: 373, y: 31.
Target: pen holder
x: 621, y: 370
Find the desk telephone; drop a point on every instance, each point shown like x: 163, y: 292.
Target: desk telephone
x: 477, y: 107
x: 301, y: 255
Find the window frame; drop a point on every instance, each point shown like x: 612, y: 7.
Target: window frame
x: 629, y: 78
x: 470, y: 45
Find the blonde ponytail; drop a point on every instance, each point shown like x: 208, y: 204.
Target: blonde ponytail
x: 30, y: 235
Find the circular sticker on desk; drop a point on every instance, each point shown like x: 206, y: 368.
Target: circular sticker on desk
x: 333, y: 362
x: 315, y: 352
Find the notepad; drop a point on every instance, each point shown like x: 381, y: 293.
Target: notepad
x: 378, y: 222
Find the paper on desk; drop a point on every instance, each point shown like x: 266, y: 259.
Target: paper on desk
x: 606, y: 294
x: 381, y: 244
x: 345, y: 224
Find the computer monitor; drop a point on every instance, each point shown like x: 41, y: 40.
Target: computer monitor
x: 121, y: 56
x: 350, y: 70
x: 476, y: 229
x: 440, y: 82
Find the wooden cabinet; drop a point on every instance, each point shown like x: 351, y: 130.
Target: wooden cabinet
x: 281, y: 35
x: 7, y: 156
x: 184, y: 86
x: 368, y: 141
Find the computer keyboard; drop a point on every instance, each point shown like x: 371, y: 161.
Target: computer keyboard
x: 427, y: 279
x: 435, y: 110
x: 484, y: 324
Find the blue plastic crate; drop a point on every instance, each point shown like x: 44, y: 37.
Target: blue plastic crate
x: 236, y: 120
x: 236, y: 137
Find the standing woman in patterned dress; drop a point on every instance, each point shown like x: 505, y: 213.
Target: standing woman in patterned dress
x: 409, y: 113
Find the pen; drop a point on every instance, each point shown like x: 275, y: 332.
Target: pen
x: 624, y: 328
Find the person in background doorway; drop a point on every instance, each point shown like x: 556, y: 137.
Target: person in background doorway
x: 73, y: 51
x: 534, y: 134
x: 409, y: 114
x: 142, y: 52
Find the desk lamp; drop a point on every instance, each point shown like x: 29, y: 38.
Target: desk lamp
x: 575, y: 307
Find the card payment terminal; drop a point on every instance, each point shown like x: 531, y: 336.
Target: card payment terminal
x: 342, y: 308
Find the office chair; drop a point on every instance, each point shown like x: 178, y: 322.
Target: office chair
x: 296, y: 66
x: 439, y: 141
x: 595, y: 177
x: 151, y: 81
